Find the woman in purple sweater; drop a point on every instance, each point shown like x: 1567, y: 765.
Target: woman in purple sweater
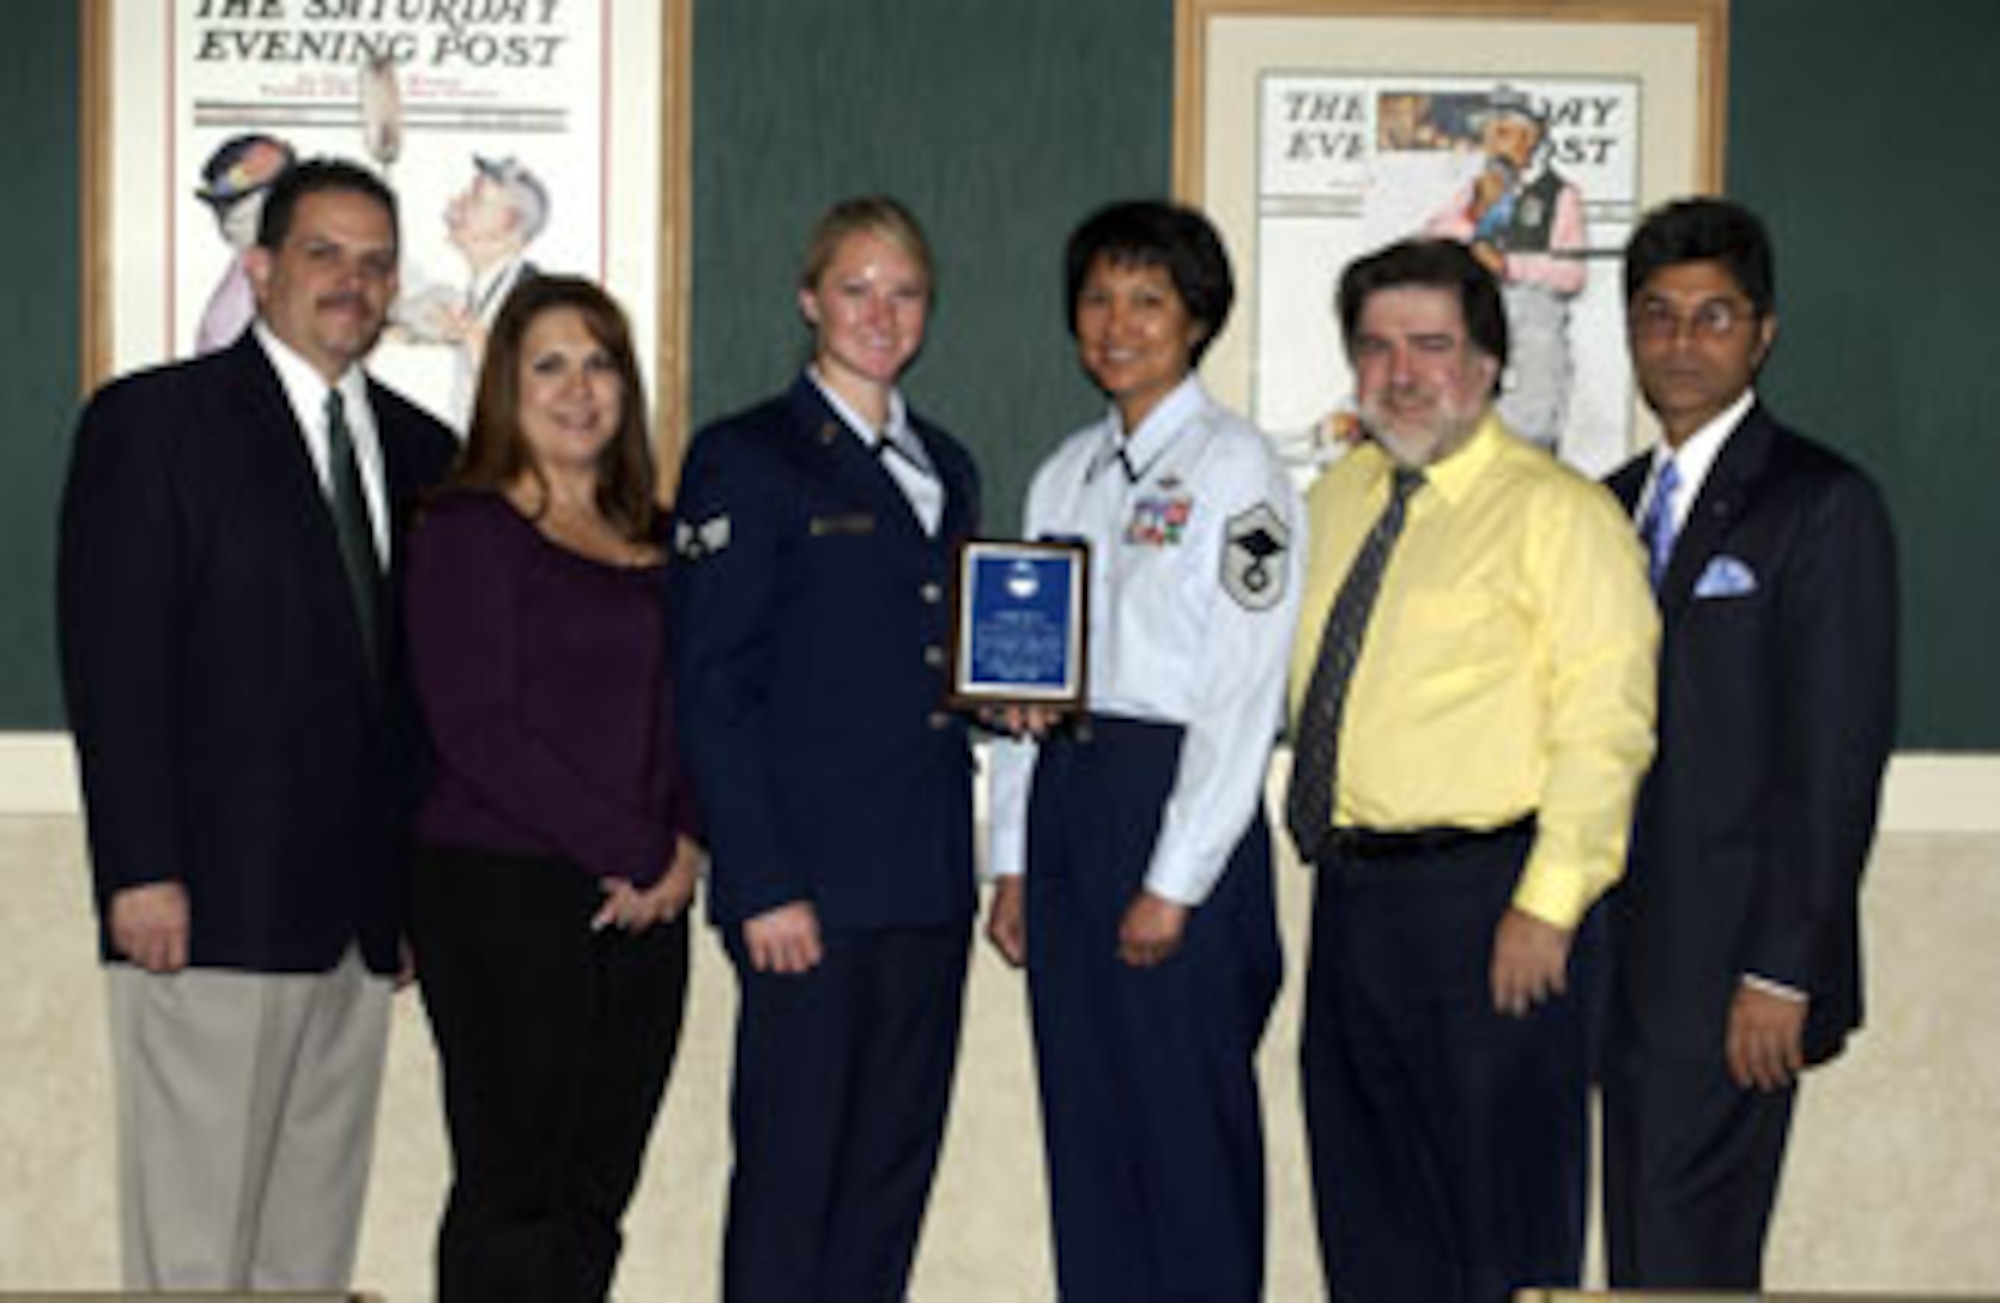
x: 557, y: 858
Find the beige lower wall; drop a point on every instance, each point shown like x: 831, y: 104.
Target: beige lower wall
x: 1893, y: 1185
x: 1924, y: 791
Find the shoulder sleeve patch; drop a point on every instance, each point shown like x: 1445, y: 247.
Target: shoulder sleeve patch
x: 694, y: 541
x: 1254, y: 543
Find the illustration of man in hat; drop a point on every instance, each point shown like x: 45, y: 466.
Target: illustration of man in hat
x: 491, y: 223
x: 1524, y: 221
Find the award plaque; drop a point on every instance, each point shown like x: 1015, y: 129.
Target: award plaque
x: 1019, y: 614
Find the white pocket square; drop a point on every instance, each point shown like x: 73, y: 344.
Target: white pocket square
x: 1725, y: 576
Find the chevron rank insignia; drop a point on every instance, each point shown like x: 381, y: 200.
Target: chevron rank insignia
x: 693, y: 542
x: 1253, y: 558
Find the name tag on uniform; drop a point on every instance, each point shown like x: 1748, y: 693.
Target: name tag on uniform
x: 858, y: 522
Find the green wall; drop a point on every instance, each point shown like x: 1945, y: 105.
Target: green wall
x: 1863, y: 131
x: 1859, y: 129
x: 39, y: 346
x: 1000, y: 125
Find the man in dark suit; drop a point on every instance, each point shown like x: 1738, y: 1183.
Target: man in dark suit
x: 1736, y: 929
x: 231, y: 660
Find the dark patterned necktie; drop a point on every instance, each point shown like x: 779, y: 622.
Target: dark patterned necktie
x: 351, y: 523
x: 1316, y: 742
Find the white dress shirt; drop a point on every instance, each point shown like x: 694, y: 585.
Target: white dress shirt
x: 307, y: 390
x: 1692, y: 459
x: 904, y: 457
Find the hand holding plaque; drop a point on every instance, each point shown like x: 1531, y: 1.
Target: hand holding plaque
x: 1020, y: 613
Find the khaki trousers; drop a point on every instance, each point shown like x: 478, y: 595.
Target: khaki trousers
x: 246, y: 1117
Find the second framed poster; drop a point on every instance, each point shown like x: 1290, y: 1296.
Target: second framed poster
x: 1317, y: 130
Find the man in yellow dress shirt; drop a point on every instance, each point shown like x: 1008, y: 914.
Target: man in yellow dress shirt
x: 1467, y: 748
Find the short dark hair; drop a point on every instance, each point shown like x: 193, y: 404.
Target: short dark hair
x: 1705, y: 229
x: 1433, y: 264
x: 496, y: 452
x: 1155, y: 233
x: 318, y: 176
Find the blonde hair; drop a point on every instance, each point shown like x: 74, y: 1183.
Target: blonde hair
x: 870, y: 214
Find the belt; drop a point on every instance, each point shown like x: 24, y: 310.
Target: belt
x: 1378, y: 844
x: 1084, y: 727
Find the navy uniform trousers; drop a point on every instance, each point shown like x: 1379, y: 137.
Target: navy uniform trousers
x: 1448, y: 1142
x: 1148, y: 1076
x: 843, y: 1080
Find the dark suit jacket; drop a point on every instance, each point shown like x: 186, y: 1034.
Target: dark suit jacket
x: 231, y: 733
x: 1776, y: 718
x: 811, y: 615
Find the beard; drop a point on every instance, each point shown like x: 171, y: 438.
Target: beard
x: 1424, y: 437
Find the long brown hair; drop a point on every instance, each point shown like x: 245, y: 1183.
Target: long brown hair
x: 496, y: 453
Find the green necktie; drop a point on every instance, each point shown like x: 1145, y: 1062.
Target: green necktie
x: 351, y: 522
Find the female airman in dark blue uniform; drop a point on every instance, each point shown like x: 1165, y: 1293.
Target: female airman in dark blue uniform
x: 814, y: 542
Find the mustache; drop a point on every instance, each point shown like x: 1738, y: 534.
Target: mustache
x: 344, y: 299
x: 1404, y: 393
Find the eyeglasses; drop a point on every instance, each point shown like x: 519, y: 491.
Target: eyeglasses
x: 1658, y: 320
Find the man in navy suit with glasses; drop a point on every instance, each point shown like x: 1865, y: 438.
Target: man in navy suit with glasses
x: 1735, y: 931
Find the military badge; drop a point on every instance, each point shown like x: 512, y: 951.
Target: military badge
x: 1159, y: 521
x: 693, y: 542
x: 1253, y: 558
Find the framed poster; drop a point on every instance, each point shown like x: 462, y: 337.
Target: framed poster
x: 1313, y: 131
x: 519, y: 136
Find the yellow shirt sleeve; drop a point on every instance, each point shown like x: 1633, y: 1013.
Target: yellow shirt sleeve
x: 1602, y: 642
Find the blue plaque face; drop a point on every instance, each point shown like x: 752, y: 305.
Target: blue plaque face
x: 1020, y: 623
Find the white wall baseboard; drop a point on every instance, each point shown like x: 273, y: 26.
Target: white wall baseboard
x: 1927, y: 791
x: 37, y: 774
x: 1934, y: 792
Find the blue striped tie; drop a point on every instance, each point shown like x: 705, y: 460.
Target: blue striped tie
x: 1656, y: 530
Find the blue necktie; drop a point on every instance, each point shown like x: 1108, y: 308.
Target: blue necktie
x: 1656, y: 530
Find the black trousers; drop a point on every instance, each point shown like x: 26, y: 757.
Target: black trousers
x: 1150, y: 1106
x: 555, y: 1044
x: 1448, y: 1142
x: 1691, y: 1167
x: 842, y: 1083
